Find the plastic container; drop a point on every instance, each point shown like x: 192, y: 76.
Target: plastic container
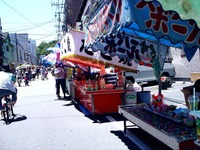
x: 193, y: 102
x: 130, y: 97
x: 144, y: 97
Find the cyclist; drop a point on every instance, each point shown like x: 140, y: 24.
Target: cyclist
x: 7, y: 86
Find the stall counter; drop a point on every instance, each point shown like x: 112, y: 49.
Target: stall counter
x: 173, y: 134
x: 100, y: 101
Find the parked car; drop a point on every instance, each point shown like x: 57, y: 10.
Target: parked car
x: 146, y: 74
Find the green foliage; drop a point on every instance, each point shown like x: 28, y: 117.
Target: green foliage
x: 186, y: 6
x: 41, y: 49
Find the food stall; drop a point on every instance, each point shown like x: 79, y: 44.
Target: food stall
x: 100, y: 101
x: 93, y: 93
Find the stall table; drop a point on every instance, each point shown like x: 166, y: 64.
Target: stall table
x: 175, y: 135
x: 100, y: 101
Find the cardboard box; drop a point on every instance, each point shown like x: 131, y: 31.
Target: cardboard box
x: 195, y: 76
x: 187, y: 92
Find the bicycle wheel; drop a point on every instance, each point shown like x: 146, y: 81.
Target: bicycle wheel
x: 11, y: 109
x: 8, y: 111
x: 5, y: 115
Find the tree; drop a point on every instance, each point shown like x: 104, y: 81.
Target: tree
x: 42, y: 48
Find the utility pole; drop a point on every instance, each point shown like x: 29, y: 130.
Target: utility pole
x: 16, y: 45
x: 58, y: 14
x: 1, y: 49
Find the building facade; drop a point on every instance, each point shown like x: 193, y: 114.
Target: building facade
x: 25, y: 49
x: 8, y: 51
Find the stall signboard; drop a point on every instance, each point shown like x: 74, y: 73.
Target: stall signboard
x: 128, y: 48
x: 73, y: 50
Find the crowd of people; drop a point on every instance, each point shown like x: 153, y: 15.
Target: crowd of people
x: 30, y: 74
x: 10, y: 80
x: 21, y: 76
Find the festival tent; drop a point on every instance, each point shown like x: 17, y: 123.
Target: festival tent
x: 118, y: 23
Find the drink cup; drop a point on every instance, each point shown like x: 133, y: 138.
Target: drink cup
x: 198, y: 127
x: 193, y: 102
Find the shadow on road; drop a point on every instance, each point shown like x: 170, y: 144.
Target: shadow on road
x: 130, y: 145
x: 17, y: 118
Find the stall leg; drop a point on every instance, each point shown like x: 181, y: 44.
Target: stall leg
x: 93, y: 108
x: 124, y: 125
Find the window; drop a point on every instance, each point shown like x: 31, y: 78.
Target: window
x: 7, y: 48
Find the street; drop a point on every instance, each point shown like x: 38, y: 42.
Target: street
x: 45, y: 123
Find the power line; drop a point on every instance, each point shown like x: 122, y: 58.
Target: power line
x: 18, y: 12
x: 29, y: 28
x: 21, y: 14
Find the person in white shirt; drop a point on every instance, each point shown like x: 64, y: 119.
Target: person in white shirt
x: 19, y: 76
x: 7, y: 86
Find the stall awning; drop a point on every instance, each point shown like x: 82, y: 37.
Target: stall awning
x: 145, y: 21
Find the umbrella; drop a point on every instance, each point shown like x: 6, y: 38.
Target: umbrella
x: 23, y: 66
x: 18, y: 67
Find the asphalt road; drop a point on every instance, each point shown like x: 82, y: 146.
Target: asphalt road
x: 45, y: 123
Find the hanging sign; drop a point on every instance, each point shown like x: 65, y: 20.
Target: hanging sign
x: 72, y: 49
x: 129, y: 48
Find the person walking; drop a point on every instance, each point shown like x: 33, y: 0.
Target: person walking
x: 29, y: 74
x: 19, y: 76
x: 60, y: 79
x: 37, y: 72
x: 42, y: 70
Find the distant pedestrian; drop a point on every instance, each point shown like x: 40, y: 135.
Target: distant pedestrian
x: 42, y: 71
x: 37, y: 72
x: 19, y: 76
x: 26, y: 79
x: 29, y: 74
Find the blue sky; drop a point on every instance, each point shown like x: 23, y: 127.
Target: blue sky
x: 35, y: 17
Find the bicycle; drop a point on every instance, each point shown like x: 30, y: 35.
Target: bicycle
x: 7, y: 113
